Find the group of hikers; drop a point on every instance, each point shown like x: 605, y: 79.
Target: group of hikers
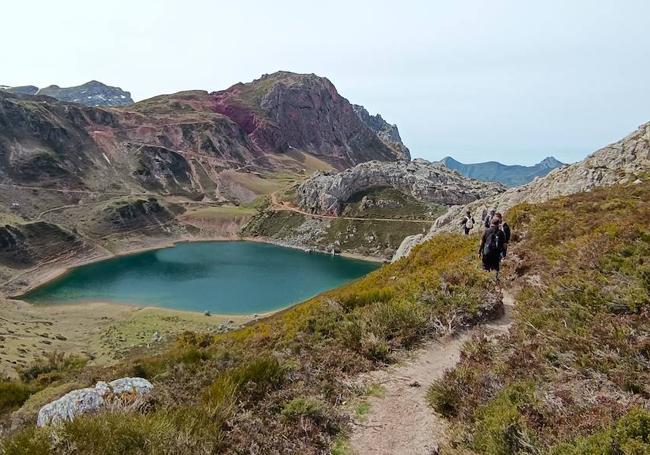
x: 495, y: 238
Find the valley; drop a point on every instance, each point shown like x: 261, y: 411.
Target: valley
x: 225, y: 180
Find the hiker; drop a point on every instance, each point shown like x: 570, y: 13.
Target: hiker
x: 506, y: 232
x: 491, y: 247
x: 487, y: 222
x: 468, y: 222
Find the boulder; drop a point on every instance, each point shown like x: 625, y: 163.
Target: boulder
x: 82, y: 401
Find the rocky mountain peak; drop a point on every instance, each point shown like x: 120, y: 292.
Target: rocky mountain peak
x: 550, y: 162
x: 286, y: 111
x: 93, y: 93
x: 389, y: 133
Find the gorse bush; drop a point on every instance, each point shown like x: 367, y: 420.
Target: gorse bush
x: 579, y: 339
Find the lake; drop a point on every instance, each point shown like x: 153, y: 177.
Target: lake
x: 221, y: 277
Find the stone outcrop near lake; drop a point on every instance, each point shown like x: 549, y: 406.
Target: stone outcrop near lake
x: 326, y: 193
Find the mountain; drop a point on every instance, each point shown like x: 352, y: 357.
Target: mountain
x: 91, y: 94
x: 493, y: 171
x: 284, y: 111
x: 386, y: 132
x: 86, y: 173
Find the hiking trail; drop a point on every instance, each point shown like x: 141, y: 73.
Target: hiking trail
x: 401, y: 421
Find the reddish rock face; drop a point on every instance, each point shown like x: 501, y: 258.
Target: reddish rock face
x: 285, y: 111
x: 180, y: 144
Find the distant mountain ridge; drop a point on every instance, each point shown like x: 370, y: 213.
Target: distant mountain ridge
x: 92, y: 94
x: 509, y: 175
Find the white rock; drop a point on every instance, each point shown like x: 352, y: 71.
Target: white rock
x: 82, y: 401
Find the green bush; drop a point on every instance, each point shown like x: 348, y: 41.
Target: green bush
x: 629, y: 436
x: 501, y: 429
x: 52, y: 367
x: 305, y: 407
x: 13, y: 394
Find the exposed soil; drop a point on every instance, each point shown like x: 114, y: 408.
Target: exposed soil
x: 400, y: 422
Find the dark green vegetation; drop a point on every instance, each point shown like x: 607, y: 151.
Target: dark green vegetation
x: 390, y: 203
x: 276, y: 386
x: 573, y: 375
x: 509, y: 175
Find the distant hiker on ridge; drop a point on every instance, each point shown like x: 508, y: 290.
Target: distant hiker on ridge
x: 468, y: 222
x: 491, y: 247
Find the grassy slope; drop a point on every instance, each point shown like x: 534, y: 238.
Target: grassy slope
x: 573, y: 376
x: 278, y: 385
x: 570, y: 378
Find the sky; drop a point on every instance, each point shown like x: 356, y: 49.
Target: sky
x: 510, y: 81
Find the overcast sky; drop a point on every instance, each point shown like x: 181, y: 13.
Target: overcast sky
x: 512, y: 81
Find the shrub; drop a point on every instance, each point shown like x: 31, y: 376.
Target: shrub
x: 52, y: 367
x: 302, y: 407
x: 13, y: 394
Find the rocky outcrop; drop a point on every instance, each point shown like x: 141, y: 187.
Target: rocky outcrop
x: 125, y: 392
x: 326, y: 193
x: 625, y: 161
x: 25, y: 245
x: 22, y: 90
x: 388, y: 133
x: 493, y: 171
x: 285, y: 111
x: 91, y: 94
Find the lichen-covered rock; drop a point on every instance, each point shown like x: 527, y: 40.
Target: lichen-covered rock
x: 90, y: 399
x: 326, y: 193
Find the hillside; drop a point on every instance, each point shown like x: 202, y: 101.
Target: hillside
x: 509, y: 175
x: 70, y: 171
x: 365, y: 210
x: 571, y: 376
x: 624, y: 161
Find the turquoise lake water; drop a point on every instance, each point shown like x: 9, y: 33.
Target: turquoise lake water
x: 221, y: 277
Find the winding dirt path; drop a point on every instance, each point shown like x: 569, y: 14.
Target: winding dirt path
x: 283, y: 206
x: 401, y: 422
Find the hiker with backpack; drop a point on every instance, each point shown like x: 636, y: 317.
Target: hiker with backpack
x: 492, y: 246
x: 468, y: 222
x: 506, y: 232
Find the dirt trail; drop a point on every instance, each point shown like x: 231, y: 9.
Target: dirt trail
x: 283, y: 206
x: 400, y: 422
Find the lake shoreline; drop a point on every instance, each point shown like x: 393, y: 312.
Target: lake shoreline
x: 45, y: 277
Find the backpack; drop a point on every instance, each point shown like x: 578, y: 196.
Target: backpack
x: 492, y: 245
x: 506, y: 231
x: 469, y: 224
